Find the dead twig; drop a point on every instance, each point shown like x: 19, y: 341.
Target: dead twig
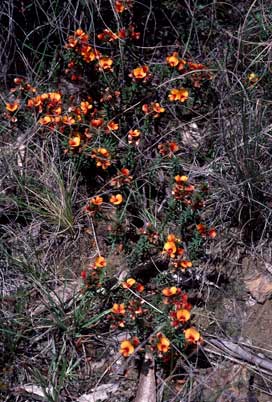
x: 234, y: 350
x: 146, y: 391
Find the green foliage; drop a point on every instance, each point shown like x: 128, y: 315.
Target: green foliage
x: 139, y: 251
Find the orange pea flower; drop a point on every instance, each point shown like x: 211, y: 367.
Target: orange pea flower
x: 134, y: 133
x: 140, y: 72
x: 126, y: 348
x: 12, y: 107
x: 97, y: 122
x: 69, y: 120
x: 74, y: 141
x: 212, y: 233
x: 173, y: 146
x: 34, y: 102
x: 122, y: 178
x: 100, y: 262
x: 153, y: 107
x: 140, y: 287
x: 125, y: 171
x: 87, y: 53
x: 133, y: 136
x: 112, y: 126
x: 201, y: 228
x: 72, y: 43
x: 107, y: 35
x: 83, y: 36
x: 168, y: 148
x: 118, y: 309
x: 54, y: 97
x: 85, y: 107
x: 145, y: 108
x: 128, y: 283
x: 183, y: 315
x: 168, y: 292
x: 170, y: 248
x: 122, y: 34
x: 163, y: 344
x: 104, y: 152
x: 18, y: 80
x: 44, y: 96
x: 57, y: 111
x: 181, y: 65
x: 158, y: 108
x: 181, y: 179
x: 102, y: 157
x: 97, y: 200
x: 186, y: 264
x: 121, y: 5
x: 171, y: 237
x: 195, y: 66
x: 192, y: 335
x: 173, y: 59
x: 252, y: 78
x: 105, y: 63
x: 176, y: 94
x: 116, y: 199
x: 45, y: 120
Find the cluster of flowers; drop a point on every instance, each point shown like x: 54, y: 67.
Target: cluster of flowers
x: 179, y: 316
x: 133, y: 309
x: 173, y: 249
x: 22, y: 88
x: 187, y: 193
x: 96, y: 202
x: 51, y: 104
x: 159, y: 342
x: 93, y: 270
x: 76, y: 137
x: 205, y: 232
x: 121, y: 5
x: 124, y: 314
x: 168, y: 148
x: 83, y: 122
x: 153, y: 109
x: 108, y: 36
x: 122, y: 178
x: 79, y: 42
x: 198, y: 72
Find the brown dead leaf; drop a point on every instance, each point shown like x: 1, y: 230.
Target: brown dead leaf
x: 33, y: 391
x: 100, y: 393
x: 146, y: 391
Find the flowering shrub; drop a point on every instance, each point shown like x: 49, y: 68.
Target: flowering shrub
x: 150, y: 203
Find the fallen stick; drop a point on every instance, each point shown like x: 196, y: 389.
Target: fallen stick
x: 239, y: 352
x: 146, y: 391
